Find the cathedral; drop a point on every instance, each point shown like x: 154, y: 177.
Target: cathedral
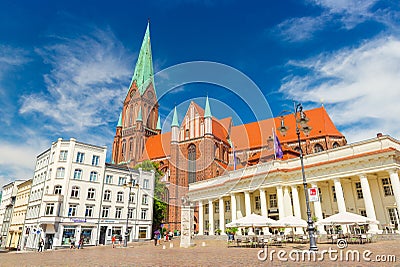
x: 201, y: 146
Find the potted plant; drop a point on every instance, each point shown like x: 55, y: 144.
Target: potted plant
x: 218, y: 232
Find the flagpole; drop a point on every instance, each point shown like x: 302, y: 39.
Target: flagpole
x: 273, y: 138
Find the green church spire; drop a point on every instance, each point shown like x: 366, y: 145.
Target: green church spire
x: 207, y: 112
x: 158, y: 123
x: 120, y: 120
x: 144, y: 74
x: 175, y: 119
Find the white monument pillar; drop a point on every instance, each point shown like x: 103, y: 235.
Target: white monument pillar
x: 287, y: 202
x: 318, y: 212
x: 264, y: 209
x: 296, y: 207
x: 211, y: 217
x: 221, y: 216
x: 369, y: 204
x: 201, y: 218
x: 187, y: 220
x: 247, y: 202
x: 339, y: 195
x: 394, y: 180
x: 281, y: 206
x: 233, y: 207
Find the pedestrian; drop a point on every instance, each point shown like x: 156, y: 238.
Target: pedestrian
x: 80, y: 244
x: 113, y: 239
x: 41, y: 243
x: 71, y: 242
x: 120, y: 240
x: 155, y: 239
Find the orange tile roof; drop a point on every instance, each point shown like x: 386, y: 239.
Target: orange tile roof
x: 219, y: 130
x: 157, y: 146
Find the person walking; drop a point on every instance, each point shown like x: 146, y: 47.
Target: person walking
x: 80, y: 244
x: 41, y: 243
x: 113, y: 239
x: 120, y: 240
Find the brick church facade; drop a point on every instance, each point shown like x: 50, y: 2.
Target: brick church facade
x: 201, y: 146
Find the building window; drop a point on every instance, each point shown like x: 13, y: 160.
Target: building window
x: 109, y: 179
x: 319, y: 194
x: 57, y: 190
x: 258, y: 202
x: 107, y: 195
x: 363, y: 213
x: 334, y: 193
x: 49, y: 209
x: 359, y: 190
x: 95, y: 160
x: 207, y: 224
x: 78, y: 174
x: 272, y: 201
x: 336, y: 145
x: 216, y: 208
x: 392, y: 216
x: 130, y: 213
x: 105, y: 212
x: 228, y: 205
x: 192, y: 164
x: 387, y: 187
x: 91, y: 194
x: 132, y: 198
x: 121, y: 180
x: 72, y: 210
x: 118, y: 213
x: 89, y: 211
x: 80, y: 157
x: 318, y: 148
x: 93, y: 176
x: 186, y: 133
x: 143, y: 214
x: 206, y: 209
x: 145, y: 200
x: 63, y: 155
x: 75, y: 192
x: 120, y: 196
x: 146, y: 183
x: 60, y: 172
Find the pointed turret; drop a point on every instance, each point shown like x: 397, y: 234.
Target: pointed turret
x: 207, y: 110
x: 175, y: 127
x: 120, y: 120
x: 144, y: 74
x: 158, y: 124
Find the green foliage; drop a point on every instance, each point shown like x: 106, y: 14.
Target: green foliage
x: 231, y: 230
x: 159, y: 207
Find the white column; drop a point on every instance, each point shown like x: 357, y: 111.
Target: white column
x: 201, y: 218
x: 233, y: 207
x: 340, y: 200
x: 211, y: 217
x: 318, y: 212
x: 369, y: 204
x: 394, y: 180
x: 281, y: 207
x: 264, y: 210
x: 247, y: 202
x: 221, y: 215
x: 287, y: 202
x: 296, y: 207
x: 339, y: 195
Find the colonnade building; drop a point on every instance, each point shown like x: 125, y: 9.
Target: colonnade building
x: 361, y: 178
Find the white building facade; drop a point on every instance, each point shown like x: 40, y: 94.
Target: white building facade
x: 76, y: 195
x: 361, y: 178
x: 6, y: 209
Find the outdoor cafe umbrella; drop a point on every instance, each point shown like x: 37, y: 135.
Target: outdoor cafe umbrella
x: 291, y: 221
x: 252, y: 220
x: 346, y: 218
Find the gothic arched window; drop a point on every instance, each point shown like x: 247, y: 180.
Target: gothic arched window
x: 318, y: 148
x: 336, y: 144
x: 192, y: 163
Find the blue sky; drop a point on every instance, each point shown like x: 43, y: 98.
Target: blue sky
x: 65, y: 66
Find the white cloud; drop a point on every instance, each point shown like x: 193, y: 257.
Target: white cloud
x: 346, y: 13
x: 85, y: 88
x: 361, y: 87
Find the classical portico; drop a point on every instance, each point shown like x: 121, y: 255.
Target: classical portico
x: 361, y: 178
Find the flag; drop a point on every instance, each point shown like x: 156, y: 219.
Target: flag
x: 277, y: 147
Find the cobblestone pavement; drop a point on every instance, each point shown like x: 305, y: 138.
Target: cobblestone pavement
x: 214, y: 253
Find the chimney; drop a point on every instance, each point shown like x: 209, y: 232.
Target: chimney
x: 379, y: 135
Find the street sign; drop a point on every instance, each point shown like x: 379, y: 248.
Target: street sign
x: 313, y: 194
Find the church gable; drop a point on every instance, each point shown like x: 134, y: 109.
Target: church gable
x: 193, y: 123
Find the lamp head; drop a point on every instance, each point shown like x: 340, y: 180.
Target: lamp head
x: 283, y: 129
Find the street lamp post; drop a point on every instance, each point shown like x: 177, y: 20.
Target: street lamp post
x: 301, y: 125
x: 130, y: 184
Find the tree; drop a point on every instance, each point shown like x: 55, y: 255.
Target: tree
x: 159, y: 206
